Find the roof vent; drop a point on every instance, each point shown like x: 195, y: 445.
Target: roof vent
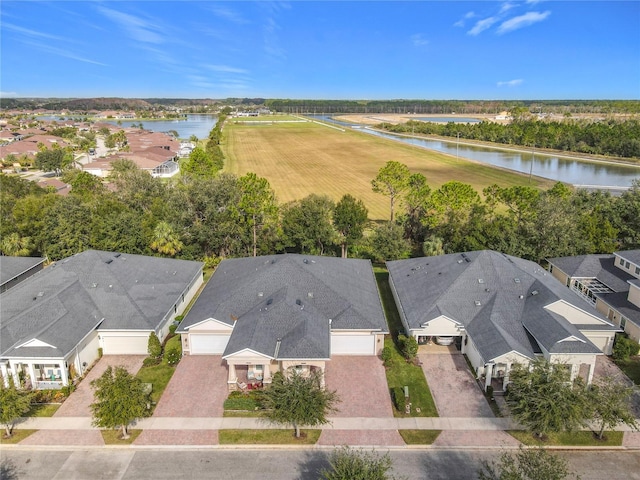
x: 40, y: 294
x: 298, y: 302
x: 117, y: 255
x: 535, y: 292
x: 109, y: 260
x: 487, y: 290
x: 520, y: 297
x: 94, y: 285
x: 310, y: 294
x: 477, y: 302
x: 273, y: 261
x: 516, y: 280
x: 481, y: 280
x: 305, y: 260
x: 270, y: 301
x: 460, y: 261
x: 261, y: 294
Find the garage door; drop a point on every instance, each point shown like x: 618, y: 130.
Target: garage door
x: 125, y: 345
x: 212, y: 344
x: 352, y: 344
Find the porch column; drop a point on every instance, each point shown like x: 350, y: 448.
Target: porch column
x: 463, y: 348
x: 5, y: 374
x: 266, y: 373
x: 488, y: 373
x: 590, y: 374
x: 64, y: 373
x: 232, y: 373
x: 573, y: 371
x: 505, y: 380
x: 32, y: 375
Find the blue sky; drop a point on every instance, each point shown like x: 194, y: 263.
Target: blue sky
x: 328, y: 49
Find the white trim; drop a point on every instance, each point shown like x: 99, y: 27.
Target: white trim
x: 34, y: 342
x: 247, y: 350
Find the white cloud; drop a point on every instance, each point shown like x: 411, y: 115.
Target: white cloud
x: 226, y: 69
x: 511, y: 83
x: 467, y: 16
x: 418, y: 40
x: 137, y: 28
x: 505, y: 7
x: 228, y: 14
x: 29, y: 32
x: 482, y: 25
x: 522, y: 21
x: 8, y: 94
x: 64, y: 53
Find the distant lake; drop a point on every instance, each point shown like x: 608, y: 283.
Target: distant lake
x: 447, y: 119
x: 194, y: 124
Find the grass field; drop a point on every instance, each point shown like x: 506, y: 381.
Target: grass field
x: 303, y: 158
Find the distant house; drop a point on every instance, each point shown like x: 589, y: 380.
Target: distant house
x: 266, y: 314
x: 14, y: 270
x: 501, y: 310
x: 55, y: 322
x: 609, y: 283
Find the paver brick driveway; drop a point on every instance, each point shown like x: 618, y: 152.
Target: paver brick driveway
x: 198, y: 388
x: 454, y: 389
x: 361, y: 384
x: 77, y: 405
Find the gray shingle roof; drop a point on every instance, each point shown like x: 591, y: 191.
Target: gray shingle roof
x: 631, y: 255
x: 601, y: 267
x: 289, y: 297
x: 452, y: 285
x: 11, y: 267
x: 61, y: 304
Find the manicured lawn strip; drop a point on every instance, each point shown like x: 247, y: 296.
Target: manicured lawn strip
x: 158, y: 375
x: 42, y: 409
x: 401, y: 373
x: 17, y: 437
x: 112, y: 437
x: 303, y: 158
x: 243, y: 413
x: 574, y: 439
x: 268, y: 437
x: 419, y: 437
x: 631, y: 368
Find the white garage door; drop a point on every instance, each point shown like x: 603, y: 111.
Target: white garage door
x: 209, y: 343
x: 125, y: 345
x: 352, y: 344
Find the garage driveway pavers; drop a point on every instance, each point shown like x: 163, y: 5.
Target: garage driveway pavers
x: 78, y: 403
x: 198, y: 388
x: 177, y: 437
x: 64, y: 437
x: 454, y: 390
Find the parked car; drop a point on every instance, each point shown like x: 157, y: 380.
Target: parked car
x: 444, y: 340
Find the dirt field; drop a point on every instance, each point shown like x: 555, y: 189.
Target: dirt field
x: 303, y: 158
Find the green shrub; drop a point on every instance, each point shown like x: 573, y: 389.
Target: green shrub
x: 100, y: 352
x: 408, y: 346
x: 173, y: 355
x: 154, y: 348
x: 397, y: 395
x: 624, y: 348
x: 150, y: 362
x: 179, y: 318
x: 172, y: 329
x: 242, y: 401
x: 387, y: 356
x: 68, y: 389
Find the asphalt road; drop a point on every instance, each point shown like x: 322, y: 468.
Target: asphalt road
x: 267, y: 464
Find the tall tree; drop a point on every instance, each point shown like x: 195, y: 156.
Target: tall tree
x: 13, y: 404
x: 199, y: 164
x: 610, y: 401
x: 165, y: 239
x: 346, y: 463
x: 542, y: 398
x: 416, y: 201
x: 392, y: 180
x: 52, y: 160
x: 388, y: 243
x: 526, y: 464
x: 306, y: 224
x: 297, y: 399
x: 257, y: 205
x: 120, y: 398
x: 350, y: 218
x: 15, y: 245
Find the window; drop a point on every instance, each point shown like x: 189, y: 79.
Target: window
x: 627, y: 265
x: 621, y: 262
x: 637, y: 270
x: 623, y: 322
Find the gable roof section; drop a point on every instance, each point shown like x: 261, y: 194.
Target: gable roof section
x: 12, y: 267
x: 62, y: 303
x: 600, y: 267
x: 632, y: 256
x: 490, y: 293
x: 292, y: 298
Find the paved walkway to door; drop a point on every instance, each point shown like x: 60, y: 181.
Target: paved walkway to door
x: 454, y: 390
x: 78, y: 403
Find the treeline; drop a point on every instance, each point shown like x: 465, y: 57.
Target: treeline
x: 610, y: 137
x: 222, y: 215
x: 451, y: 106
x: 210, y: 160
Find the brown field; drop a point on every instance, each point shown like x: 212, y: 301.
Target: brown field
x: 303, y: 158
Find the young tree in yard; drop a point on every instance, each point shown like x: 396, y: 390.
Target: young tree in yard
x: 297, y: 399
x: 154, y: 347
x: 526, y: 464
x: 391, y: 181
x: 542, y: 398
x: 13, y: 404
x: 120, y: 399
x: 610, y: 401
x: 258, y: 205
x: 350, y: 464
x: 350, y: 218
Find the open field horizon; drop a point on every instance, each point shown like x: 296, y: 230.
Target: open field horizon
x: 299, y: 159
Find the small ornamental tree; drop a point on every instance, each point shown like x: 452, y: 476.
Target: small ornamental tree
x: 610, y: 402
x: 351, y: 464
x: 297, y: 399
x: 526, y: 464
x: 408, y: 346
x: 120, y: 399
x: 13, y: 404
x: 154, y: 347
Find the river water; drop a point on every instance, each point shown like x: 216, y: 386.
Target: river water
x: 579, y: 172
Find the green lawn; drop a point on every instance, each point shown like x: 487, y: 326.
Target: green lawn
x: 159, y: 375
x: 419, y: 437
x: 268, y: 437
x: 17, y: 437
x: 401, y: 373
x: 112, y: 437
x: 42, y: 409
x: 580, y: 439
x: 631, y: 368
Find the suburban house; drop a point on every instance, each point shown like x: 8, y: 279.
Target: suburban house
x: 55, y: 322
x: 266, y: 314
x: 500, y: 310
x: 14, y: 270
x: 609, y: 283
